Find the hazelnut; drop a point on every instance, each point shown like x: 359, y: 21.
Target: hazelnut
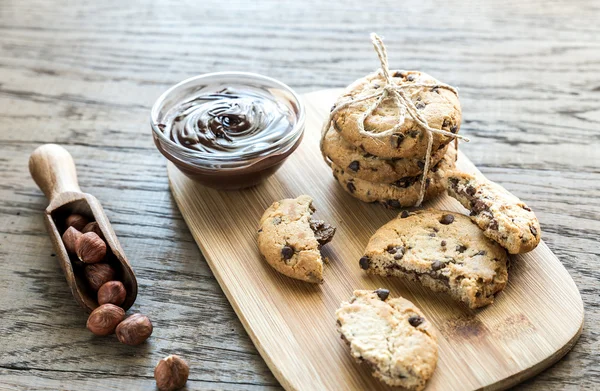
x: 76, y: 221
x: 90, y: 248
x: 70, y: 238
x: 134, y: 330
x: 104, y: 319
x: 99, y: 274
x: 93, y: 227
x: 112, y: 292
x: 171, y: 373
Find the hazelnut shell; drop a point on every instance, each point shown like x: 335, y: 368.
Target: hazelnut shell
x: 76, y: 221
x: 134, y: 330
x: 104, y: 319
x: 93, y: 227
x: 171, y: 373
x: 70, y: 238
x: 99, y: 274
x: 112, y: 292
x: 90, y: 248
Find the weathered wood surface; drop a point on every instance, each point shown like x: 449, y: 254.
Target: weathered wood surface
x: 84, y: 74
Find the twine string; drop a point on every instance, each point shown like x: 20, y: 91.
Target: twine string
x: 405, y: 106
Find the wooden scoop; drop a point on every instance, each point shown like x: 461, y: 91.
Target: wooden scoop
x: 53, y: 170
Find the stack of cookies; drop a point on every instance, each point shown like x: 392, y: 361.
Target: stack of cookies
x: 389, y: 169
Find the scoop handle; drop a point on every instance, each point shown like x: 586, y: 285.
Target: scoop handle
x: 53, y: 170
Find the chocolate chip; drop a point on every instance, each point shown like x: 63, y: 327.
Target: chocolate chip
x: 395, y: 204
x: 494, y: 225
x: 526, y: 208
x: 399, y: 252
x: 446, y: 123
x: 437, y: 265
x: 396, y: 139
x: 482, y: 252
x: 443, y: 243
x: 470, y: 190
x: 403, y: 183
x: 354, y: 166
x: 415, y: 320
x: 323, y: 232
x: 277, y: 221
x: 404, y: 214
x: 382, y: 293
x: 410, y: 78
x: 420, y: 105
x: 364, y: 262
x: 533, y: 230
x: 414, y: 133
x: 461, y: 248
x: 287, y: 252
x: 260, y: 230
x: 421, y: 165
x: 478, y: 206
x: 447, y: 219
x: 350, y: 186
x: 398, y: 74
x: 436, y: 229
x: 391, y: 250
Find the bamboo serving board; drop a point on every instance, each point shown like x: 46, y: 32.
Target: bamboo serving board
x: 533, y: 322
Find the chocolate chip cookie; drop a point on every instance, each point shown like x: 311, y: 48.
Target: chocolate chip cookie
x: 391, y: 335
x: 290, y: 239
x: 399, y: 194
x: 503, y: 217
x: 444, y: 251
x: 363, y: 165
x: 439, y: 106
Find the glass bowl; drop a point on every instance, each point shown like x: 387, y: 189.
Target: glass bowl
x: 220, y: 169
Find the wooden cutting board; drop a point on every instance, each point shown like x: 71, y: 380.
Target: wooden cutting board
x: 533, y: 323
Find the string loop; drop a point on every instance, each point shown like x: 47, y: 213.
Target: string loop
x: 405, y: 105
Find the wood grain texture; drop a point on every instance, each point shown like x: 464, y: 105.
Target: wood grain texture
x: 85, y: 74
x: 292, y: 323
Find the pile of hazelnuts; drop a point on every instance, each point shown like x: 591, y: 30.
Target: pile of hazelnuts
x: 85, y: 239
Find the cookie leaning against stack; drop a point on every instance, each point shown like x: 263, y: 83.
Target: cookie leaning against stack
x: 389, y: 169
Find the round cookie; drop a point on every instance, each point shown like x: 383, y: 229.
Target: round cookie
x: 365, y: 166
x: 290, y: 239
x: 402, y: 193
x: 391, y: 335
x: 439, y: 106
x: 445, y: 251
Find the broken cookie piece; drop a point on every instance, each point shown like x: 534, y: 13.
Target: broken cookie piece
x: 444, y: 251
x: 391, y: 335
x: 290, y: 239
x: 503, y: 217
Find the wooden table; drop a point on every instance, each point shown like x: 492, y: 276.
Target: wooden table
x: 85, y: 74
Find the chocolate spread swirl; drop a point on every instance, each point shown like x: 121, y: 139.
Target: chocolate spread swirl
x: 228, y: 122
